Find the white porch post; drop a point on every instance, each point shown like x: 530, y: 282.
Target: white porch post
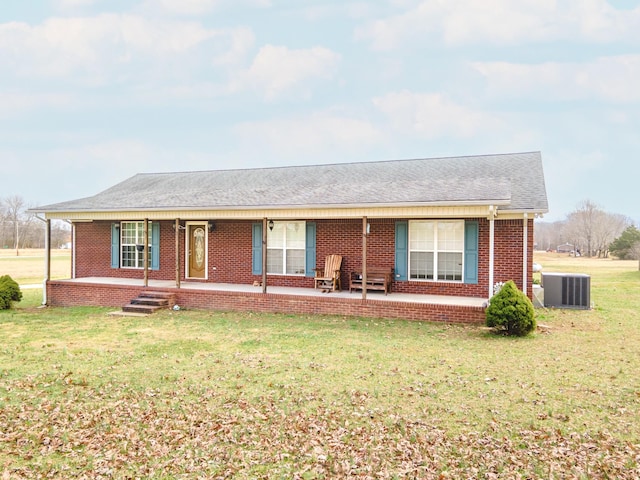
x: 491, y: 247
x: 525, y: 252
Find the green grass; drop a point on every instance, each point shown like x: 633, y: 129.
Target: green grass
x: 28, y: 267
x: 192, y: 393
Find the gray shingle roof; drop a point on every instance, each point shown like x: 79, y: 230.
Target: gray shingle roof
x: 513, y: 181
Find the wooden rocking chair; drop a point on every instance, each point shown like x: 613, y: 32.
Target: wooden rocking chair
x: 328, y: 279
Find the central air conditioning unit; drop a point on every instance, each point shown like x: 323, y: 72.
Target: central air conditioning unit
x: 567, y: 290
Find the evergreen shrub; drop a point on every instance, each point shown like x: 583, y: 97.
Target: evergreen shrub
x: 510, y: 311
x: 9, y: 292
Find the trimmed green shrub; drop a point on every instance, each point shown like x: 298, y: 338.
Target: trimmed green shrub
x: 9, y: 292
x: 510, y: 311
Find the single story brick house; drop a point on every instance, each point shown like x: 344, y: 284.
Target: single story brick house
x: 449, y: 229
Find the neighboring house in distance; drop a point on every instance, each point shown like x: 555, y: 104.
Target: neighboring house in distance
x: 450, y: 228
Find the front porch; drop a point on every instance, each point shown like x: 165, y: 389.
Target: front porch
x: 116, y: 292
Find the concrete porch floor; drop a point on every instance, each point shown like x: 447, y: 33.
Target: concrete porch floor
x: 289, y: 291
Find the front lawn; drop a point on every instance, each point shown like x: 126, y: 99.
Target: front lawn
x: 195, y: 394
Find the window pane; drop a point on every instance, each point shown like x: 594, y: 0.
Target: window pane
x: 421, y: 265
x: 449, y: 266
x: 275, y: 237
x: 295, y: 235
x: 295, y: 262
x: 286, y: 248
x: 132, y: 234
x: 451, y: 236
x: 421, y: 236
x: 275, y: 260
x: 128, y: 256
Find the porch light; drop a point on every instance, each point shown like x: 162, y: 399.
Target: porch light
x: 139, y: 247
x: 271, y: 225
x: 211, y: 225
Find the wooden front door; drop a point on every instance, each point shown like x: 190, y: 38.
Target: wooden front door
x: 197, y: 255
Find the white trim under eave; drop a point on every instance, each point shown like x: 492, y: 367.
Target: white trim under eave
x: 390, y: 212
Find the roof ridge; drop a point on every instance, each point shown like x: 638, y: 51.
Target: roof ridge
x: 367, y: 162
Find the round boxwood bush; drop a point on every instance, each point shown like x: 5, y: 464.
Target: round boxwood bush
x: 510, y: 311
x: 9, y: 292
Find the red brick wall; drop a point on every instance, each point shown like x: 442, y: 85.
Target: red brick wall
x: 230, y: 254
x: 508, y: 252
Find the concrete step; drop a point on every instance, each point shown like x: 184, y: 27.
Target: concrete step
x: 157, y: 302
x: 136, y: 308
x: 149, y: 301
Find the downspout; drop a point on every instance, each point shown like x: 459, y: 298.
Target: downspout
x: 47, y: 257
x: 177, y: 230
x: 492, y: 214
x: 145, y: 253
x: 264, y: 255
x: 364, y: 258
x: 525, y: 253
x: 73, y: 250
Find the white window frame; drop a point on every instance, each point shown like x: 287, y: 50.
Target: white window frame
x: 302, y: 225
x: 139, y: 238
x: 436, y: 251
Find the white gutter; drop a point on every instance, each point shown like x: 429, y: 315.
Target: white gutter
x: 525, y: 253
x: 492, y: 215
x: 47, y: 256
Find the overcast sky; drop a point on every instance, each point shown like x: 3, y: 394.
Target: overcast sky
x: 94, y: 91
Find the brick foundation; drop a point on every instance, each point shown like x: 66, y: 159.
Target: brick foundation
x: 67, y: 294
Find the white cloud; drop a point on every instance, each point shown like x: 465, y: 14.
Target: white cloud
x: 110, y: 46
x: 15, y: 103
x: 348, y: 9
x: 431, y: 115
x: 239, y: 42
x: 277, y: 70
x: 503, y: 22
x: 310, y: 136
x: 607, y: 78
x: 198, y: 7
x: 73, y: 4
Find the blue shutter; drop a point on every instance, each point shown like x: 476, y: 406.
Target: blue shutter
x: 155, y: 245
x: 256, y: 249
x: 471, y: 252
x: 115, y: 245
x: 402, y: 250
x: 310, y: 249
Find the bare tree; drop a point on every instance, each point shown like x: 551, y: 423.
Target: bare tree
x: 582, y: 224
x: 14, y: 207
x: 608, y: 227
x: 4, y: 225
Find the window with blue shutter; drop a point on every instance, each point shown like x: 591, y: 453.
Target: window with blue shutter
x: 115, y: 245
x: 310, y: 249
x: 256, y: 248
x: 471, y: 252
x: 155, y: 246
x: 402, y: 250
